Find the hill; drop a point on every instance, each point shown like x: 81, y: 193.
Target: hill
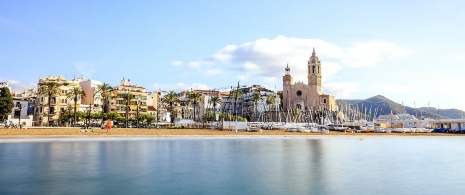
x: 380, y: 105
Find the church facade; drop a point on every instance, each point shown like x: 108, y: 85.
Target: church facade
x: 307, y: 96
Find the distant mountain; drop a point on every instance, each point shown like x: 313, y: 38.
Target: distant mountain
x: 380, y: 105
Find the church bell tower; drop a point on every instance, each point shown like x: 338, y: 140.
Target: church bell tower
x: 314, y: 72
x: 287, y: 78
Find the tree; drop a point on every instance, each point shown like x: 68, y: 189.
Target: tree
x: 105, y: 90
x: 215, y: 100
x: 256, y: 97
x: 195, y: 97
x: 50, y: 89
x: 127, y: 97
x: 171, y: 98
x: 237, y: 94
x: 64, y: 117
x: 6, y: 102
x: 112, y: 116
x: 148, y: 118
x: 270, y: 100
x: 76, y: 94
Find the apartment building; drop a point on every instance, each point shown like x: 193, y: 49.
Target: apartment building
x: 59, y: 103
x: 93, y: 97
x: 138, y: 104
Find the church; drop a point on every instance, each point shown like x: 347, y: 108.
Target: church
x: 307, y: 96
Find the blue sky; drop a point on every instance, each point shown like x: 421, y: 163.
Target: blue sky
x: 408, y: 51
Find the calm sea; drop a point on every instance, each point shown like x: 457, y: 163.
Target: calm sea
x: 321, y: 165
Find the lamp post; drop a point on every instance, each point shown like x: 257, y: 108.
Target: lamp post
x: 20, y: 107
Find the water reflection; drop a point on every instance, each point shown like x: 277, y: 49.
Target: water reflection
x: 234, y: 166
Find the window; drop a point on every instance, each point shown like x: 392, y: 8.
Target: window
x: 324, y: 101
x: 313, y: 70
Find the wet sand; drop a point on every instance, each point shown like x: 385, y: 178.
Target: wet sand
x: 183, y: 132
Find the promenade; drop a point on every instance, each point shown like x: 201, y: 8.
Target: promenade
x: 184, y: 132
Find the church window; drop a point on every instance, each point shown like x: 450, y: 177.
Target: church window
x: 318, y: 69
x: 324, y: 100
x: 313, y: 69
x: 299, y: 93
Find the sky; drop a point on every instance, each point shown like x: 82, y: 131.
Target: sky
x: 411, y: 52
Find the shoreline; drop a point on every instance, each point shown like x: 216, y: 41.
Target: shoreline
x: 134, y: 132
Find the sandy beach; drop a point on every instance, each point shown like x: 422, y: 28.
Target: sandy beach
x: 183, y: 132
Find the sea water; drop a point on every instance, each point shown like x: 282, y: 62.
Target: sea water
x: 205, y: 165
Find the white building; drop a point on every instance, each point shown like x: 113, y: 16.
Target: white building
x: 407, y: 121
x: 19, y: 113
x: 93, y: 97
x: 5, y: 84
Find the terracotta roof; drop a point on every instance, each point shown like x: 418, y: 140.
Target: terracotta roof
x: 151, y: 108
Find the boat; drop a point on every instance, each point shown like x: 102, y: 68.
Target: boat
x: 254, y: 128
x: 304, y: 129
x: 292, y: 129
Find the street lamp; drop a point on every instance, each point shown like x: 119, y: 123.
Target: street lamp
x: 20, y: 107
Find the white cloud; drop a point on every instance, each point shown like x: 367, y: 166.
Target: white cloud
x: 394, y: 89
x: 264, y: 58
x: 179, y: 86
x: 176, y: 63
x: 213, y: 72
x: 341, y: 89
x: 195, y: 64
x: 368, y: 54
x: 17, y: 86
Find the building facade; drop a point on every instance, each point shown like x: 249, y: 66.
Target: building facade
x: 59, y: 103
x: 93, y: 98
x: 138, y: 104
x: 307, y: 96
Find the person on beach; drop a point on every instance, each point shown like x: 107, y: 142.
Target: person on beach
x: 108, y: 126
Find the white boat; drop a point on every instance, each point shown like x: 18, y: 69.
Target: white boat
x: 385, y: 130
x: 403, y: 130
x: 304, y: 129
x: 292, y: 129
x: 254, y: 128
x: 315, y: 130
x: 410, y: 130
x: 324, y: 131
x: 341, y: 129
x: 423, y: 130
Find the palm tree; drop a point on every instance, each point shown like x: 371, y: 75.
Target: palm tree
x: 171, y: 98
x: 127, y: 97
x: 76, y: 94
x: 237, y: 94
x: 215, y: 100
x: 49, y: 89
x: 105, y: 91
x: 195, y: 97
x: 256, y: 97
x: 270, y: 101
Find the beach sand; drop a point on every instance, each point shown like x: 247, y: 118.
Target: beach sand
x: 182, y: 132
